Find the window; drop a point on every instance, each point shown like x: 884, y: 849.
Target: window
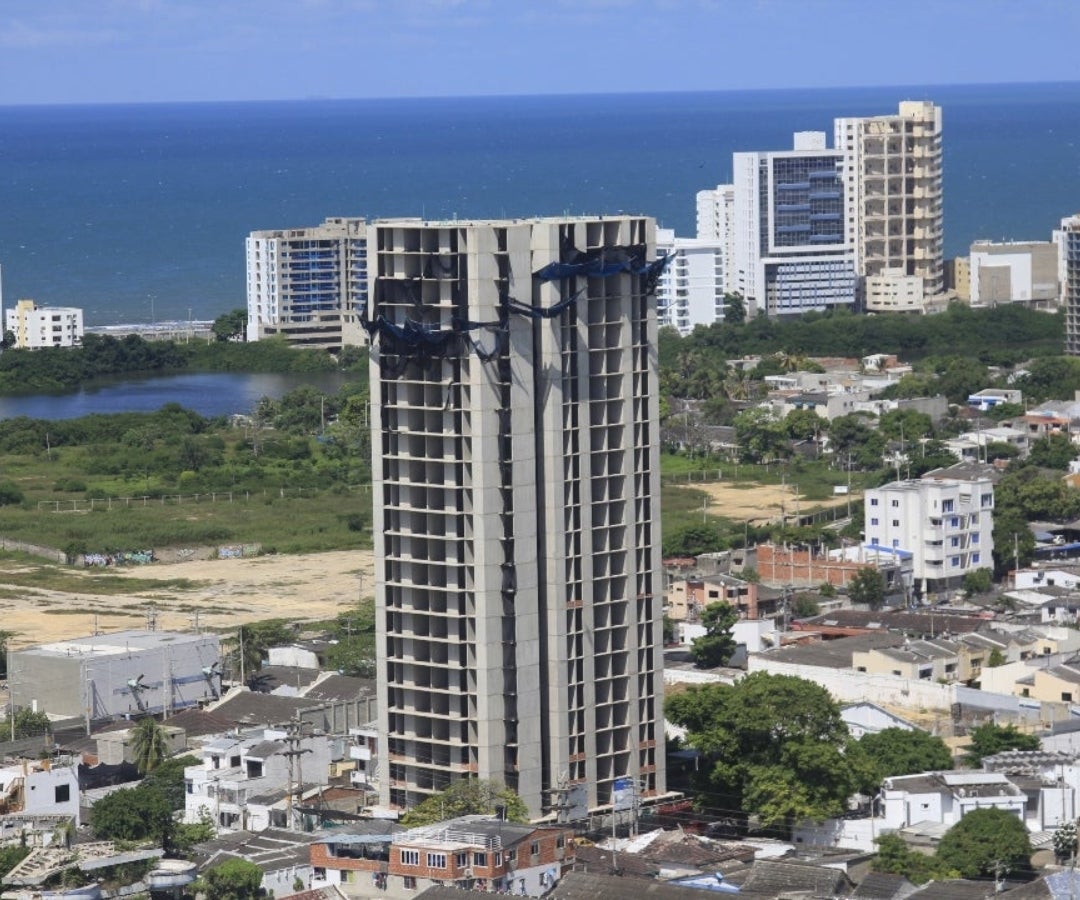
x: 461, y: 860
x: 534, y: 848
x: 479, y: 859
x: 410, y: 857
x: 954, y: 542
x: 975, y: 538
x: 895, y: 523
x: 409, y: 882
x: 896, y: 543
x: 1066, y: 696
x: 954, y: 561
x: 954, y: 522
x: 436, y: 860
x: 975, y: 557
x: 896, y: 503
x: 873, y: 521
x: 63, y: 793
x: 947, y: 505
x: 873, y: 501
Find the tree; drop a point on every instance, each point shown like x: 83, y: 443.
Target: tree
x: 149, y: 745
x: 1064, y: 843
x: 805, y: 606
x: 760, y: 435
x: 716, y: 646
x: 29, y: 723
x: 978, y: 582
x: 734, y: 309
x: 986, y: 842
x: 903, y: 751
x: 804, y: 424
x: 775, y: 744
x: 234, y: 879
x: 10, y: 494
x: 1055, y: 451
x: 867, y: 586
x: 471, y: 797
x: 897, y: 858
x: 230, y: 326
x: 988, y: 739
x: 132, y: 814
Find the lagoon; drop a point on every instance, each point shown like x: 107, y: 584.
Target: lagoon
x: 207, y: 393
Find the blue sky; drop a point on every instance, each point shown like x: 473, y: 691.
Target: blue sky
x: 87, y: 51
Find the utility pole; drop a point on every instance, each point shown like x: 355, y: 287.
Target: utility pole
x: 293, y: 739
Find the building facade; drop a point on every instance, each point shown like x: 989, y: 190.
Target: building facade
x: 893, y: 183
x: 516, y: 487
x: 893, y: 291
x: 791, y: 250
x: 37, y: 327
x: 308, y: 284
x: 124, y: 673
x: 690, y: 292
x: 716, y: 223
x: 1069, y: 235
x: 1014, y: 272
x: 945, y: 526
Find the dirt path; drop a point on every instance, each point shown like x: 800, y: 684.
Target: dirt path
x: 228, y: 592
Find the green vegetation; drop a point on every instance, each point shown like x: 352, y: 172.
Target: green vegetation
x: 472, y: 797
x: 149, y: 745
x: 986, y: 842
x: 102, y: 356
x: 715, y: 647
x: 775, y: 746
x: 234, y: 879
x: 986, y: 740
x: 867, y: 586
x: 901, y: 751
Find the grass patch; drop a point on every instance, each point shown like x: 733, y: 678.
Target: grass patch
x: 67, y: 611
x: 69, y: 581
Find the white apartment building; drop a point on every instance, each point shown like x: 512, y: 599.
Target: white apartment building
x: 690, y: 291
x: 893, y: 291
x: 945, y: 526
x: 893, y: 184
x: 308, y: 284
x: 791, y: 252
x: 1070, y: 286
x: 37, y: 327
x: 716, y: 222
x: 1014, y: 272
x: 516, y: 488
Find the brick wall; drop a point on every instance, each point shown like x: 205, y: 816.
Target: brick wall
x: 780, y: 566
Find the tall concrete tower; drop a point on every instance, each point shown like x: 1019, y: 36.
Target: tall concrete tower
x: 893, y: 182
x: 516, y: 475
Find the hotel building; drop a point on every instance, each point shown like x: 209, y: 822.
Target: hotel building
x: 791, y: 252
x: 516, y: 497
x: 308, y: 284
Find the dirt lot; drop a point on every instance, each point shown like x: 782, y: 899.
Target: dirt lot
x: 758, y: 503
x: 227, y: 592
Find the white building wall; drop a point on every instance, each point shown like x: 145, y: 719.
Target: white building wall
x: 691, y: 290
x: 946, y: 526
x: 38, y: 327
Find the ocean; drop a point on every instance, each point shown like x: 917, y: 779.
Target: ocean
x: 139, y: 212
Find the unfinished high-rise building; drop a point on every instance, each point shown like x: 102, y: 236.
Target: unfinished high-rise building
x: 515, y: 472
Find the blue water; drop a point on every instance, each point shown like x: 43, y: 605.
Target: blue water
x: 207, y: 393
x: 139, y: 212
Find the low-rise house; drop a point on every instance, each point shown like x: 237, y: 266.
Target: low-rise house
x: 922, y: 660
x: 40, y: 789
x: 242, y: 780
x: 687, y: 598
x: 869, y: 718
x: 284, y: 857
x: 944, y: 798
x: 476, y: 853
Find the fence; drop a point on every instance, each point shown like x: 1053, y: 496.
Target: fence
x: 13, y: 545
x: 111, y: 503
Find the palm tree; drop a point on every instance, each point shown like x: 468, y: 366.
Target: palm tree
x: 149, y: 745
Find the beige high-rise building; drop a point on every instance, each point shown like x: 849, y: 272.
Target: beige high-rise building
x: 1069, y: 236
x: 516, y: 497
x: 892, y: 181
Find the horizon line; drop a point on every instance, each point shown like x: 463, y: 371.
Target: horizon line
x: 317, y: 98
